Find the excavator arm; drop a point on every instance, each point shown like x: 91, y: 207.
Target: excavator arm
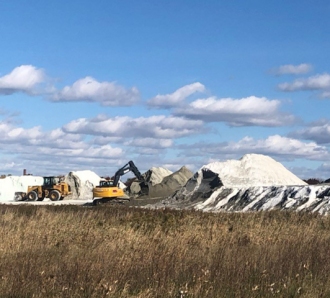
x: 129, y: 167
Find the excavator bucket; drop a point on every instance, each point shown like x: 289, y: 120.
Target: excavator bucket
x: 144, y: 188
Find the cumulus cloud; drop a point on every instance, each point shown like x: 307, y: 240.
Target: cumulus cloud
x: 292, y: 69
x: 90, y: 90
x: 10, y: 134
x: 24, y: 78
x: 150, y: 143
x: 36, y: 137
x: 317, y: 82
x: 318, y: 131
x: 274, y: 145
x: 43, y: 152
x: 249, y: 111
x: 163, y: 127
x: 18, y: 139
x: 177, y: 97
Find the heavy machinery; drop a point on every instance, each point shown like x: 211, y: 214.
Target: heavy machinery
x: 52, y: 188
x: 108, y: 190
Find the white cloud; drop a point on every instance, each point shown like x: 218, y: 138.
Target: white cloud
x: 163, y: 127
x: 177, y: 97
x: 54, y: 140
x: 10, y: 134
x: 249, y: 111
x: 150, y: 143
x: 43, y: 152
x: 278, y: 145
x: 325, y: 94
x: 317, y: 82
x: 292, y: 69
x: 105, y: 93
x: 103, y: 140
x: 274, y: 145
x: 23, y: 78
x: 35, y: 136
x: 318, y: 132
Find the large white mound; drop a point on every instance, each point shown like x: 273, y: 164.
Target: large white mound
x: 11, y: 184
x: 253, y: 170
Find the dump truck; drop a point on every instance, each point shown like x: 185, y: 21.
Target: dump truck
x: 108, y: 190
x: 53, y: 188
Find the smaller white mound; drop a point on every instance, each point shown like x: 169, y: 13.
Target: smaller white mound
x: 11, y: 184
x: 82, y: 184
x: 253, y: 170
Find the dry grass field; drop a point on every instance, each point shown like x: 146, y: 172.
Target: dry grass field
x: 107, y: 251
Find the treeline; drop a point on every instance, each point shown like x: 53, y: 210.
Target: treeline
x: 314, y: 181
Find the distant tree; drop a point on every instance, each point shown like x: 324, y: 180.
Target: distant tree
x: 313, y: 181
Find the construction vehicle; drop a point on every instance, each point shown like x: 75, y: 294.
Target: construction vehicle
x: 52, y: 188
x: 108, y: 190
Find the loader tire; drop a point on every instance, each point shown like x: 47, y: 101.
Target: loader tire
x: 32, y: 196
x: 54, y: 195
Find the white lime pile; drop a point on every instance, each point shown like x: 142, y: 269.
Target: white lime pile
x: 253, y: 170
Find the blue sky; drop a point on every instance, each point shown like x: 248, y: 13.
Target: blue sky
x: 92, y: 85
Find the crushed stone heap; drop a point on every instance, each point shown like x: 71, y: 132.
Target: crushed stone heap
x: 162, y: 182
x: 171, y: 183
x: 152, y: 177
x: 156, y: 175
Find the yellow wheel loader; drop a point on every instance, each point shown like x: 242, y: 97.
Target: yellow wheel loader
x: 52, y: 188
x: 108, y: 190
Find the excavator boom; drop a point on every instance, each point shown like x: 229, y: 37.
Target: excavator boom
x: 130, y: 166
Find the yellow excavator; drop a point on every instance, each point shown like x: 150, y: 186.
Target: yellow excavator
x: 108, y: 190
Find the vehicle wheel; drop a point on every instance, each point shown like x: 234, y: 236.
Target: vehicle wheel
x: 54, y: 195
x: 32, y: 196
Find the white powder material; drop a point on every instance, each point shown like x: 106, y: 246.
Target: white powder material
x: 82, y: 184
x: 253, y: 170
x: 11, y: 184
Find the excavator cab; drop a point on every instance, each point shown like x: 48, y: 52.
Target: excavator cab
x: 106, y: 183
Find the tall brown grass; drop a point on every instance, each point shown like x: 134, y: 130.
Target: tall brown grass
x: 106, y: 251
